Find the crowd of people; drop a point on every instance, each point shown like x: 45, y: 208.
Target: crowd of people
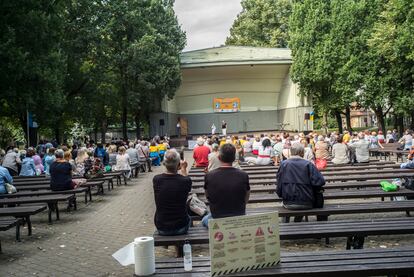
x: 299, y: 157
x: 69, y: 166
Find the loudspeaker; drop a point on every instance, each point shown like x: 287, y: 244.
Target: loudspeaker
x: 162, y: 122
x: 307, y: 116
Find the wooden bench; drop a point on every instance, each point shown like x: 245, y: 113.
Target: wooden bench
x: 199, y: 190
x: 338, y: 209
x: 88, y: 186
x: 47, y: 192
x: 325, y: 171
x: 330, y: 165
x: 23, y: 212
x: 8, y: 223
x: 271, y: 179
x: 361, y: 262
x: 50, y: 200
x: 353, y: 230
x: 333, y: 195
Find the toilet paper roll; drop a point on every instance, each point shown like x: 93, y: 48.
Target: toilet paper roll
x: 144, y: 247
x: 145, y: 266
x: 144, y: 256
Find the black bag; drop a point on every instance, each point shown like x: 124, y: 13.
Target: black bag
x: 318, y: 198
x: 408, y: 183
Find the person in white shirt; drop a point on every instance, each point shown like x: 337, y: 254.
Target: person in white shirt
x: 266, y: 155
x: 213, y: 129
x: 256, y: 145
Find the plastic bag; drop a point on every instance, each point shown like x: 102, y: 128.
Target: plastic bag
x: 321, y: 164
x: 387, y: 186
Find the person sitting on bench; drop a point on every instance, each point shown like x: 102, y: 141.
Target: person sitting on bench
x: 171, y: 191
x: 299, y: 181
x: 61, y: 173
x: 200, y: 153
x: 409, y: 164
x: 361, y: 149
x: 226, y: 188
x: 5, y: 177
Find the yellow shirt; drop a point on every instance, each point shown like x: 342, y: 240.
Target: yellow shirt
x: 153, y: 148
x: 162, y: 147
x: 346, y: 138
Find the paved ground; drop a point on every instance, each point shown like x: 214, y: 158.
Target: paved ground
x: 82, y: 242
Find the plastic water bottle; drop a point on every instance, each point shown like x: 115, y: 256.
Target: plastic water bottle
x: 188, y: 261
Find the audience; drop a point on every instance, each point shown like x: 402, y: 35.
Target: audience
x: 49, y: 159
x: 227, y: 188
x: 28, y: 165
x: 61, y: 173
x: 409, y: 164
x: 361, y: 148
x: 11, y: 161
x: 5, y: 178
x: 122, y: 162
x: 200, y: 154
x: 340, y: 152
x: 171, y: 191
x: 298, y: 181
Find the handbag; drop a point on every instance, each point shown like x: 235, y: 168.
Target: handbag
x: 10, y: 188
x: 196, y: 205
x: 318, y: 198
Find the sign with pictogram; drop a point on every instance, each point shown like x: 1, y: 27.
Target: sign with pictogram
x: 243, y: 243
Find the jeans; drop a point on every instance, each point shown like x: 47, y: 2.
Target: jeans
x: 176, y: 232
x: 205, y: 219
x: 407, y: 165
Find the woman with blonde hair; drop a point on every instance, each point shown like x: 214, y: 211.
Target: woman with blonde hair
x: 80, y: 161
x: 122, y: 162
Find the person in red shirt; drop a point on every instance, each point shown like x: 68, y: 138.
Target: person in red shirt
x: 200, y: 154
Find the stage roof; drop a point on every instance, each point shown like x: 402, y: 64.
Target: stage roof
x: 235, y: 55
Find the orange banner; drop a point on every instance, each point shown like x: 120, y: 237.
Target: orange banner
x: 226, y: 105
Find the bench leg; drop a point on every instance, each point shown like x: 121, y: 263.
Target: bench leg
x: 407, y: 213
x: 179, y: 251
x: 109, y: 185
x: 286, y: 219
x: 75, y: 204
x: 355, y: 242
x: 86, y: 197
x: 57, y: 211
x: 112, y: 183
x: 90, y: 193
x: 0, y: 247
x: 49, y: 212
x: 18, y: 231
x: 29, y: 225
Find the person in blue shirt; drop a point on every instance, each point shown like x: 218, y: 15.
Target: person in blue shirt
x: 5, y: 177
x: 28, y: 165
x: 49, y: 159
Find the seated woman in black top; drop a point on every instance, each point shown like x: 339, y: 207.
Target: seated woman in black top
x: 61, y: 173
x: 171, y: 192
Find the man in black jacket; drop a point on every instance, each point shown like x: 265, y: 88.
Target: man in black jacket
x: 298, y: 181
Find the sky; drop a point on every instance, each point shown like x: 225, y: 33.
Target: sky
x: 206, y: 22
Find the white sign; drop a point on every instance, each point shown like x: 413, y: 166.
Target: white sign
x: 244, y: 243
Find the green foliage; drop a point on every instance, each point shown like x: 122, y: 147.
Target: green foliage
x: 262, y: 23
x: 81, y: 61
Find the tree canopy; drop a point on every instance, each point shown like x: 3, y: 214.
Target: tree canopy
x: 85, y: 61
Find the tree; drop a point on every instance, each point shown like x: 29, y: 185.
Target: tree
x: 31, y: 75
x: 392, y: 40
x: 262, y: 23
x: 144, y: 42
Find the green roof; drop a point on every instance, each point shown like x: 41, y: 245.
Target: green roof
x: 235, y: 55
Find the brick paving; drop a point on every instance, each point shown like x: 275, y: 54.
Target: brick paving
x: 82, y: 242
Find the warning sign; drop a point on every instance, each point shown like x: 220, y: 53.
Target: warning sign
x: 244, y: 243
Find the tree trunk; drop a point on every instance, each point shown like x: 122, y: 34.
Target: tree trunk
x: 23, y: 124
x: 348, y: 118
x: 104, y: 127
x: 412, y: 120
x: 137, y: 125
x: 325, y: 123
x: 95, y: 134
x: 400, y: 125
x: 124, y: 114
x: 57, y: 135
x: 339, y: 121
x: 380, y: 119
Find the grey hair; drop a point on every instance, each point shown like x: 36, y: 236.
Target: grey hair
x: 320, y: 138
x: 59, y: 154
x: 297, y: 149
x: 171, y: 160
